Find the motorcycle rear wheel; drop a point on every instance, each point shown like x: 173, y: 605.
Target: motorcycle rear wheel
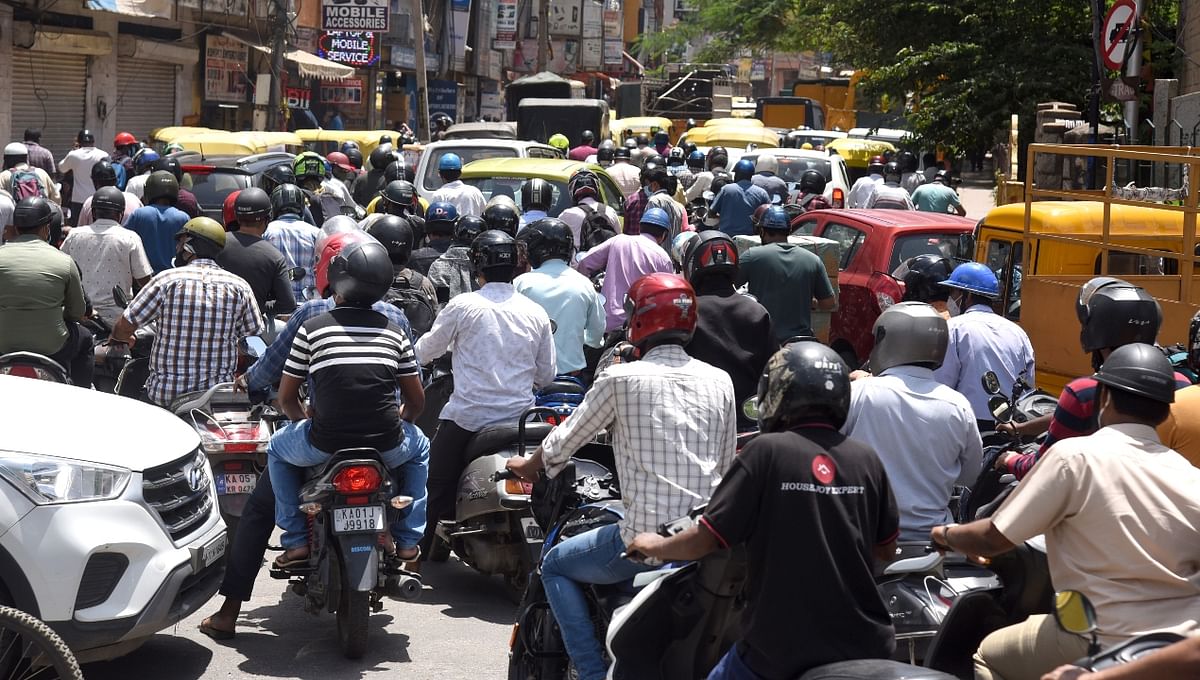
x: 353, y: 612
x: 537, y: 625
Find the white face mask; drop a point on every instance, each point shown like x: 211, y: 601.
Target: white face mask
x: 952, y: 306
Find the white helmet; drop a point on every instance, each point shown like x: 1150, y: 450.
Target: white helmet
x: 16, y: 149
x: 767, y: 163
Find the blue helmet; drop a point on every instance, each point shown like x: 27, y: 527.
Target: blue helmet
x: 743, y: 169
x: 657, y: 217
x: 450, y: 161
x: 143, y: 159
x: 695, y: 159
x: 441, y: 211
x: 348, y: 144
x: 774, y: 219
x: 974, y: 277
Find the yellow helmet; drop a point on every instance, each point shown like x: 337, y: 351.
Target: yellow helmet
x: 207, y: 229
x: 560, y: 141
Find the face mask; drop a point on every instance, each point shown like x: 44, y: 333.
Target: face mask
x: 647, y: 191
x: 952, y: 306
x: 711, y: 221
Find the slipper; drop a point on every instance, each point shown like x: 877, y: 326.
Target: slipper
x: 406, y: 556
x: 206, y: 627
x: 282, y: 562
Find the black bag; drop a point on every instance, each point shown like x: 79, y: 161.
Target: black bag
x: 412, y: 300
x: 596, y: 228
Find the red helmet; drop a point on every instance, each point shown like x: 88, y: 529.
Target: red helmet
x: 660, y: 307
x: 341, y: 160
x: 331, y: 247
x: 124, y: 139
x: 228, y: 213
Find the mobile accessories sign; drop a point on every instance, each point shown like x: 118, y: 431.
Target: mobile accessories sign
x: 355, y: 15
x: 353, y: 48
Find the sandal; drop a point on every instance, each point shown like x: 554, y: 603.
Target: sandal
x: 207, y: 628
x: 285, y: 562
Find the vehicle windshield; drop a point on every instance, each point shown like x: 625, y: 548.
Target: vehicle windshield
x: 430, y: 181
x: 792, y: 167
x: 511, y: 186
x: 211, y: 188
x: 951, y: 246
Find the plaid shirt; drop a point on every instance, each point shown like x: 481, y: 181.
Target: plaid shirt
x: 635, y: 207
x: 674, y: 428
x: 202, y: 311
x: 297, y: 241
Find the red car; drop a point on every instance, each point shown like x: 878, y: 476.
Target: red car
x: 874, y: 243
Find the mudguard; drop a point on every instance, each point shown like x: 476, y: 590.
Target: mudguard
x: 359, y: 560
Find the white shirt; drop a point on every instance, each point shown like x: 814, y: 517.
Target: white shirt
x: 108, y: 255
x: 136, y: 185
x: 7, y: 208
x: 574, y: 217
x: 862, y: 190
x: 81, y: 161
x: 503, y: 349
x: 925, y: 435
x: 700, y: 184
x: 890, y: 196
x: 982, y: 341
x: 911, y: 180
x: 338, y: 188
x: 466, y: 198
x: 627, y: 176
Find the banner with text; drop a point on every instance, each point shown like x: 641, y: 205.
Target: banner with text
x: 353, y: 48
x: 460, y: 24
x: 506, y: 25
x: 348, y: 91
x: 224, y: 69
x: 355, y: 15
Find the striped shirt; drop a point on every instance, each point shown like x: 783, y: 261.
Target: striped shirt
x: 297, y: 241
x: 202, y: 311
x: 353, y: 357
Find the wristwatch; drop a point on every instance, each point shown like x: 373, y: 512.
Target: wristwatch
x: 945, y: 542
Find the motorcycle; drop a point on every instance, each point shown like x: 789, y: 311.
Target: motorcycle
x: 33, y: 365
x: 1075, y: 614
x: 346, y: 501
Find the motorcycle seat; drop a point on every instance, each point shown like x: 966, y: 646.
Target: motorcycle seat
x: 563, y: 385
x: 492, y: 439
x: 873, y: 669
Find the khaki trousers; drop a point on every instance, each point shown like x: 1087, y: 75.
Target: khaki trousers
x: 1027, y: 650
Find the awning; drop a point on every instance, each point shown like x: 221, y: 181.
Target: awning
x: 309, y: 65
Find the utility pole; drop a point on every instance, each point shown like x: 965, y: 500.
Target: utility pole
x: 543, y: 34
x: 418, y: 31
x: 1133, y: 69
x: 280, y: 21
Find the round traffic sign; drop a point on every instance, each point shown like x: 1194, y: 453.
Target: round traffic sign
x: 1118, y: 33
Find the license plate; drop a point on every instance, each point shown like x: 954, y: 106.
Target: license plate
x: 236, y: 483
x: 212, y: 551
x: 360, y: 519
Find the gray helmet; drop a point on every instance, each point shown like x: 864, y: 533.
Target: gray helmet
x: 909, y: 333
x: 1140, y: 369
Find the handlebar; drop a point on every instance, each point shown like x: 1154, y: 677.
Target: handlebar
x: 503, y: 475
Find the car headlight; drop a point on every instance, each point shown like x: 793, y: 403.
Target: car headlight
x: 46, y: 479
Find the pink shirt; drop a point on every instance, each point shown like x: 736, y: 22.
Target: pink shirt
x: 625, y: 258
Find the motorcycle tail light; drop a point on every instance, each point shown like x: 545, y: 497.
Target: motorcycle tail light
x: 518, y: 486
x: 357, y: 479
x: 21, y: 371
x: 240, y: 447
x: 839, y: 198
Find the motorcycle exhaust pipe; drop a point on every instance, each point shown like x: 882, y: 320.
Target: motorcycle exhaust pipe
x: 405, y: 588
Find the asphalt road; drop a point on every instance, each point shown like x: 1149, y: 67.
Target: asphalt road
x: 458, y: 630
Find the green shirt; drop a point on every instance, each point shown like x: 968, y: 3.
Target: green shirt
x: 785, y: 278
x: 39, y: 286
x: 935, y: 197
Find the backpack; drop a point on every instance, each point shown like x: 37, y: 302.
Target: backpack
x: 25, y: 184
x: 407, y: 295
x: 596, y: 228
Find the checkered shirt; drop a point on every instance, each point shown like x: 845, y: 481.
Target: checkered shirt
x: 201, y: 312
x: 674, y: 428
x: 297, y: 241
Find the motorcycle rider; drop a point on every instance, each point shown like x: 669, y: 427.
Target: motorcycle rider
x: 694, y: 165
x: 125, y: 145
x: 502, y: 215
x: 673, y: 424
x: 1121, y: 523
x: 452, y: 273
x: 717, y: 160
x: 560, y: 142
x: 923, y: 431
x: 323, y: 200
x: 787, y: 279
x: 201, y: 310
x: 41, y: 296
x: 737, y: 201
x: 536, y: 197
x: 660, y: 190
x: 76, y: 168
x: 145, y: 161
x: 889, y: 195
x: 733, y: 331
x: 104, y: 174
x: 355, y: 359
x: 39, y: 156
x: 937, y: 196
x: 812, y: 192
x: 1181, y: 429
x: 910, y: 179
x: 159, y: 221
x: 108, y: 255
x: 605, y: 153
x: 766, y: 177
x: 439, y: 232
x: 568, y: 297
x: 624, y: 173
x: 368, y: 187
x: 187, y: 200
x: 295, y: 238
x: 466, y: 199
x: 585, y: 193
x: 258, y: 261
x: 585, y: 149
x: 829, y: 495
x: 922, y: 277
x: 275, y: 177
x: 1179, y: 660
x: 16, y: 160
x: 396, y: 234
x: 625, y: 258
x: 399, y: 197
x: 865, y: 186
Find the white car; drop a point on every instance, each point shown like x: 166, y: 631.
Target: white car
x: 469, y: 150
x: 794, y: 162
x: 109, y: 528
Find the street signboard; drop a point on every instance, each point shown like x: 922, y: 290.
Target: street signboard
x: 356, y: 15
x: 1118, y: 34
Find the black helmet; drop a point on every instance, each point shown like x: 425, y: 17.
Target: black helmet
x: 32, y: 213
x: 588, y: 137
x: 492, y: 249
x: 548, y: 239
x: 719, y: 180
x: 922, y: 276
x: 621, y: 152
x: 361, y: 273
x: 252, y: 204
x: 643, y: 140
x: 354, y: 155
x: 1141, y: 369
x: 812, y: 182
x: 467, y: 228
x: 172, y: 166
x: 605, y: 154
x: 381, y: 156
x: 161, y: 184
x: 891, y: 172
x: 804, y: 382
x: 85, y: 138
x: 908, y: 161
x: 536, y: 194
x: 287, y: 199
x: 718, y: 157
x: 400, y: 194
x: 501, y: 217
x: 711, y: 252
x: 1113, y: 313
x: 396, y: 234
x: 108, y: 201
x: 394, y: 171
x: 275, y: 176
x: 104, y: 174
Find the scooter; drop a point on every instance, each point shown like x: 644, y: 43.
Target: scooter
x: 1075, y: 614
x: 346, y: 501
x: 33, y: 365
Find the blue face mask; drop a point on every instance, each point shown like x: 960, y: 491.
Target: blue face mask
x: 648, y: 191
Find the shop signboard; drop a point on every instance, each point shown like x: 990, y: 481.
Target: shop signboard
x: 297, y: 97
x: 353, y: 48
x: 506, y: 25
x: 224, y: 69
x: 355, y: 15
x: 348, y: 91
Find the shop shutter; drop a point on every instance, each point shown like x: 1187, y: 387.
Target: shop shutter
x: 145, y: 96
x: 49, y: 93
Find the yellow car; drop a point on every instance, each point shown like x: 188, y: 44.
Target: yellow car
x: 507, y: 176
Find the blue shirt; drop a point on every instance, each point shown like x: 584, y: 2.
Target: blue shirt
x: 982, y: 341
x: 157, y: 226
x: 297, y: 240
x: 572, y: 303
x: 267, y: 370
x: 530, y: 217
x: 735, y: 204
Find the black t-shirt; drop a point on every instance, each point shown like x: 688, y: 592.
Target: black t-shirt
x: 811, y: 505
x: 262, y: 266
x: 733, y: 333
x: 421, y: 258
x: 354, y: 357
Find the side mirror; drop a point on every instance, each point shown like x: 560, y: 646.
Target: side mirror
x: 120, y: 299
x: 991, y: 383
x: 1075, y: 614
x: 998, y: 405
x: 298, y: 273
x: 750, y: 408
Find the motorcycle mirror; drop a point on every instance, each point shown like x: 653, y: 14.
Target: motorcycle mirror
x: 998, y: 405
x: 1075, y: 614
x: 991, y: 383
x: 750, y: 408
x: 120, y: 299
x: 298, y: 273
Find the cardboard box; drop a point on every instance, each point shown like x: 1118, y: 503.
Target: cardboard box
x: 830, y: 253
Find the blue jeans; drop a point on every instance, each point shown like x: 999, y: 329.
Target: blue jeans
x: 590, y: 557
x: 289, y: 452
x: 732, y: 667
